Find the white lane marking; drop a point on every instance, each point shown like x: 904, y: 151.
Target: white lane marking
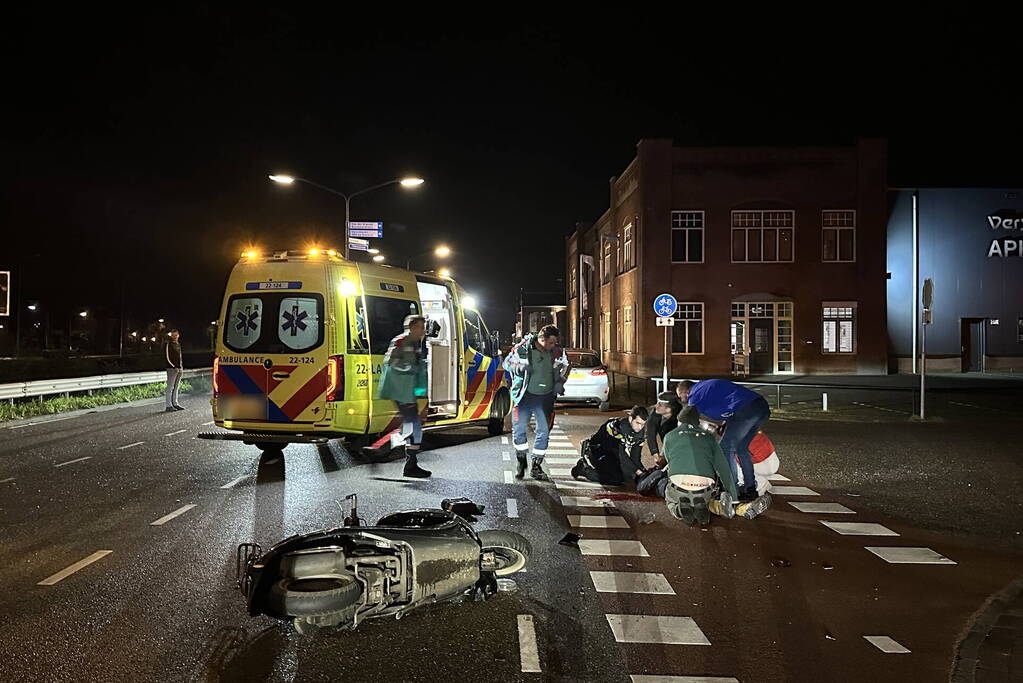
x: 177, y: 432
x: 508, y: 479
x: 584, y: 502
x: 578, y: 484
x: 823, y: 508
x: 207, y: 424
x: 631, y: 582
x: 131, y: 445
x: 896, y: 555
x: 43, y: 422
x: 7, y: 480
x: 513, y: 507
x: 563, y: 451
x: 603, y: 546
x: 636, y: 678
x: 529, y: 655
x: 886, y: 644
x: 858, y: 528
x: 231, y: 484
x: 640, y: 628
x: 793, y: 491
x: 72, y: 462
x: 598, y: 521
x: 558, y: 437
x: 506, y: 456
x: 778, y: 477
x: 504, y: 440
x: 560, y: 472
x: 561, y: 461
x: 166, y: 518
x: 81, y: 564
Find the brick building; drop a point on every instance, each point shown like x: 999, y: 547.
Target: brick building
x: 776, y: 256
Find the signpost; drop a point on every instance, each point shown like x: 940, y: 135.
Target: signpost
x: 927, y: 299
x: 370, y: 229
x: 665, y: 306
x: 356, y: 244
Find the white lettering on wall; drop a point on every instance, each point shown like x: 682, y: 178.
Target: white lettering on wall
x: 1003, y: 248
x: 1005, y: 223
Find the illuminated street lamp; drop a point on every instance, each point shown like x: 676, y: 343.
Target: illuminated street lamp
x: 404, y: 182
x: 32, y: 307
x: 444, y: 272
x: 443, y: 251
x: 379, y: 258
x: 83, y: 314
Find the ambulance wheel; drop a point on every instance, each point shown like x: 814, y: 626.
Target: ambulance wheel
x: 498, y: 413
x: 271, y: 450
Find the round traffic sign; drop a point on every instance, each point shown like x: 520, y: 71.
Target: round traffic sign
x: 665, y: 305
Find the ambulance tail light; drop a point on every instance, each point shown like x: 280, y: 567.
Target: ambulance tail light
x: 336, y: 378
x: 598, y: 371
x: 216, y: 372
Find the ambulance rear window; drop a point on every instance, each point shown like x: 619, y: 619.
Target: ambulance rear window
x: 274, y: 322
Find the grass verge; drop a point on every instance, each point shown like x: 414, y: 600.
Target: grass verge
x: 103, y: 397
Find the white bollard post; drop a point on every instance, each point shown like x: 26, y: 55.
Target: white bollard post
x: 825, y: 402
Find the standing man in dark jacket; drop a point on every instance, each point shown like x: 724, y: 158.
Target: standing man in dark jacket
x: 744, y: 412
x: 175, y: 366
x: 538, y: 367
x: 663, y: 420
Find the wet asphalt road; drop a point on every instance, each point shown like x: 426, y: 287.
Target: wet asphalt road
x: 779, y: 598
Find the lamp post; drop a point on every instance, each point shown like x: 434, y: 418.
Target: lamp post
x: 443, y: 251
x: 404, y: 182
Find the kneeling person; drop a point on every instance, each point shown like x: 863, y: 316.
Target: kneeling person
x: 695, y: 460
x: 616, y: 450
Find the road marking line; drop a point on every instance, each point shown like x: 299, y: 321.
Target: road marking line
x: 896, y: 555
x: 7, y: 480
x: 166, y: 518
x: 631, y: 582
x: 822, y: 508
x: 560, y: 471
x: 44, y: 422
x: 793, y: 491
x: 506, y: 456
x: 598, y: 521
x: 584, y: 502
x: 231, y: 484
x: 636, y: 678
x: 578, y: 484
x: 508, y: 477
x: 560, y: 461
x: 513, y: 507
x: 207, y: 424
x: 777, y: 477
x: 72, y: 462
x: 639, y: 628
x: 131, y: 445
x: 529, y: 655
x: 563, y: 451
x: 81, y: 564
x: 858, y: 528
x: 504, y: 440
x: 603, y: 546
x: 177, y: 432
x: 886, y: 644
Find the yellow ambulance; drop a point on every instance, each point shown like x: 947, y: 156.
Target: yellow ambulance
x: 301, y: 341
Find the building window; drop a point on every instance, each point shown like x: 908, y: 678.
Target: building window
x: 1019, y: 330
x: 573, y: 282
x: 838, y: 236
x: 687, y: 237
x: 687, y: 334
x: 605, y: 266
x: 762, y: 236
x: 839, y: 327
x: 618, y: 329
x: 628, y: 346
x: 605, y: 337
x: 630, y: 254
x: 618, y: 254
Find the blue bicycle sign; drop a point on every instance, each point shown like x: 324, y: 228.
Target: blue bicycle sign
x: 665, y: 305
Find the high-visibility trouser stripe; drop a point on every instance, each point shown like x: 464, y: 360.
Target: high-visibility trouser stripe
x: 522, y: 447
x: 538, y: 451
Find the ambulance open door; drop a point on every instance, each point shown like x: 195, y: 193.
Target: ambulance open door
x: 443, y: 350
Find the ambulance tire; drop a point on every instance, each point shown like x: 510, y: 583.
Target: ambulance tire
x: 498, y: 413
x: 271, y: 450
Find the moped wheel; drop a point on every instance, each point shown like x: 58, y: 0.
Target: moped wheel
x: 511, y: 550
x: 314, y: 596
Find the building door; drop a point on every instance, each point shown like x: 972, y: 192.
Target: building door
x: 761, y: 346
x: 972, y: 333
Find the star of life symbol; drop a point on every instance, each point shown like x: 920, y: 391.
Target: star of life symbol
x: 294, y: 320
x: 247, y: 321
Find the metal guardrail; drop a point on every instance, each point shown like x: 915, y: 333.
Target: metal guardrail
x: 68, y: 385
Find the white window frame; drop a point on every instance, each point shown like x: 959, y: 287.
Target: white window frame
x: 605, y: 263
x: 761, y: 227
x: 833, y: 312
x: 838, y: 231
x: 618, y: 330
x: 629, y: 330
x: 683, y: 218
x: 682, y: 326
x: 618, y: 253
x: 630, y: 254
x: 605, y: 337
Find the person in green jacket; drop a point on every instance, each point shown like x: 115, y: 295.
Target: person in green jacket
x: 695, y: 461
x: 404, y: 381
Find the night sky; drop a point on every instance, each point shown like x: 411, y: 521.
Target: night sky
x: 136, y: 148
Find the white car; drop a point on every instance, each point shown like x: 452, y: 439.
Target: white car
x: 587, y: 379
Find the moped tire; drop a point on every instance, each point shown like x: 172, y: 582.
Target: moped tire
x: 314, y: 596
x: 511, y: 550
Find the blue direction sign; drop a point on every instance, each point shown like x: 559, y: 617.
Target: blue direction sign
x: 665, y: 305
x: 371, y: 229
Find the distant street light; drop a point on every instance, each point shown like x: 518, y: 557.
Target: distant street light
x: 32, y: 307
x: 378, y: 258
x: 404, y: 182
x: 444, y: 272
x: 159, y: 320
x: 442, y: 251
x: 83, y: 314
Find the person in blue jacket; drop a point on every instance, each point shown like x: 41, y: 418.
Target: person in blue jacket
x: 743, y: 411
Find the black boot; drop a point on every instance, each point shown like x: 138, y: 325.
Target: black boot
x: 537, y: 471
x: 578, y: 469
x: 412, y: 468
x: 520, y: 472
